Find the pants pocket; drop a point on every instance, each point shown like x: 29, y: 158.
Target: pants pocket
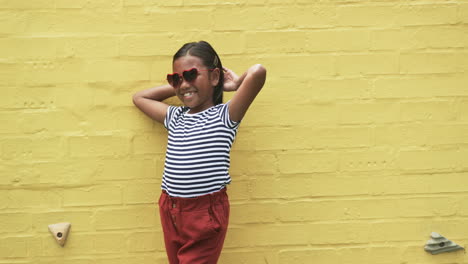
x: 200, y: 225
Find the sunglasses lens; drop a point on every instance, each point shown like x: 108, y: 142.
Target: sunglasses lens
x: 169, y: 79
x: 190, y: 75
x: 174, y: 80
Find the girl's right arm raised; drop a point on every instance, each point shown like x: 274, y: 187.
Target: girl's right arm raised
x: 150, y: 101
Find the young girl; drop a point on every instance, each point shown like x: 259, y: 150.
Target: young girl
x: 194, y: 206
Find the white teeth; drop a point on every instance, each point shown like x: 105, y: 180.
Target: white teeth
x: 188, y: 94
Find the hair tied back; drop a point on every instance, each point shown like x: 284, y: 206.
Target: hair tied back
x: 216, y: 61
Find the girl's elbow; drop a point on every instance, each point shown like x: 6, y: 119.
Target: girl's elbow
x: 259, y: 73
x: 258, y: 70
x: 136, y: 98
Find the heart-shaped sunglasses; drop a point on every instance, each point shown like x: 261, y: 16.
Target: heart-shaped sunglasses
x: 175, y: 79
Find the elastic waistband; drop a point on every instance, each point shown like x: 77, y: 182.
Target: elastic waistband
x: 189, y: 204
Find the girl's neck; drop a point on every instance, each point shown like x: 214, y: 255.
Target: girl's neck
x: 195, y: 110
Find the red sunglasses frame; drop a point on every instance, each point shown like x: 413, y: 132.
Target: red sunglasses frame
x: 181, y: 76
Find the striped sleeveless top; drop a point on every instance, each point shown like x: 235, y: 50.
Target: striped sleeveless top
x: 198, y: 148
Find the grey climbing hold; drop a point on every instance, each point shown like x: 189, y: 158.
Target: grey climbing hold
x: 439, y: 244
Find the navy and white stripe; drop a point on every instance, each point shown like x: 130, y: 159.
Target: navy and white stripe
x: 197, y: 156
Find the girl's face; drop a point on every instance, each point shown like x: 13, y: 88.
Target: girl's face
x: 196, y: 94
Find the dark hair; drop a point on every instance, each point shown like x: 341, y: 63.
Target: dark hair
x: 210, y: 59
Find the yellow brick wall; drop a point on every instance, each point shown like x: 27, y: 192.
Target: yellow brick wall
x: 354, y: 152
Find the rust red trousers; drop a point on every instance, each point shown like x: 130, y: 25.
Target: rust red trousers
x: 194, y: 228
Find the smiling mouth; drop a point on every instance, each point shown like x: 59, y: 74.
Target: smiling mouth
x: 188, y: 94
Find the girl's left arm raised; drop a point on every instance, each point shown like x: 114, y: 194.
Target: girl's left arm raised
x: 247, y: 87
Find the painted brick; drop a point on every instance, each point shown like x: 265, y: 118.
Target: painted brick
x: 37, y: 148
x: 293, y: 42
x: 73, y: 261
x: 99, y: 146
x: 86, y: 22
x: 96, y: 195
x: 151, y: 258
x: 245, y: 17
x: 13, y: 247
x: 402, y: 135
x: 68, y: 4
x: 141, y: 193
x: 81, y: 107
x: 134, y: 217
x: 463, y: 107
x: 429, y: 160
x: 308, y: 185
x: 32, y: 98
x: 166, y: 20
x: 419, y: 38
x: 137, y: 45
x: 341, y: 255
x: 333, y: 89
x: 118, y: 169
x: 229, y: 42
x: 338, y: 40
x: 315, y: 15
x: 45, y: 72
x: 352, y: 65
x: 260, y: 163
x: 64, y: 172
x: 12, y: 176
x: 300, y: 162
x: 319, y: 113
x: 422, y: 14
x: 39, y: 22
x: 34, y: 199
x: 418, y: 87
x: 335, y: 210
x: 300, y: 138
x: 9, y: 73
x: 365, y: 15
x: 318, y: 65
x: 366, y: 113
x: 10, y: 123
x: 145, y: 242
x: 102, y: 70
x: 87, y: 47
x: 330, y: 233
x: 240, y: 191
x: 27, y: 48
x: 258, y: 256
x: 15, y: 222
x: 13, y: 22
x: 47, y: 121
x: 428, y: 111
x: 129, y: 119
x: 4, y: 202
x: 149, y: 143
x: 253, y: 213
x: 463, y: 12
x: 40, y: 4
x: 425, y: 63
x: 109, y: 243
x: 378, y: 160
x: 448, y: 134
x: 422, y: 183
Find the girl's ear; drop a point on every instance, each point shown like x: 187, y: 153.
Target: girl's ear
x: 214, y: 77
